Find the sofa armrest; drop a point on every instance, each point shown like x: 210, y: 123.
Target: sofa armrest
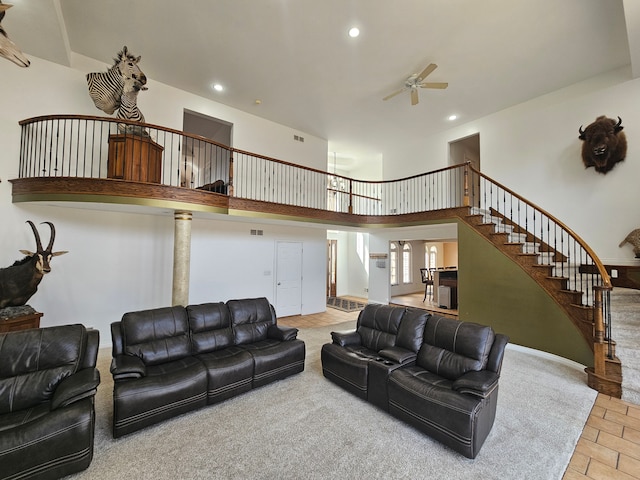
x: 398, y: 354
x: 346, y: 339
x: 284, y: 334
x: 80, y: 385
x: 480, y: 383
x: 127, y: 366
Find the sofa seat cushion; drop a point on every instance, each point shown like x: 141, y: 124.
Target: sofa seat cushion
x: 59, y: 443
x: 168, y: 389
x: 348, y: 366
x: 274, y: 360
x: 427, y: 402
x: 229, y: 373
x: 22, y: 417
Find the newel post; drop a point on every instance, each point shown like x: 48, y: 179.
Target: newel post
x: 466, y: 201
x: 598, y: 332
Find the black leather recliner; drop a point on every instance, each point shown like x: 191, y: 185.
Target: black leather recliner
x: 435, y: 373
x: 167, y: 361
x: 48, y: 381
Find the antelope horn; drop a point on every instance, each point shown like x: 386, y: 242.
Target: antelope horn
x: 37, y: 235
x: 53, y: 236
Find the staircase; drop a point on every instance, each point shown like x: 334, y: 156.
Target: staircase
x: 574, y: 285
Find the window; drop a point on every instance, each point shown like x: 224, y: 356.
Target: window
x: 393, y: 263
x: 430, y: 257
x: 406, y: 263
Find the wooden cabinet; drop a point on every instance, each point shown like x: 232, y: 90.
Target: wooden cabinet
x: 22, y: 322
x: 135, y: 158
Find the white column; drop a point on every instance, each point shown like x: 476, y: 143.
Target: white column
x: 181, y: 257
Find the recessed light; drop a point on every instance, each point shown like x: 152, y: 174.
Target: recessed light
x: 354, y: 32
x: 452, y: 117
x: 217, y: 87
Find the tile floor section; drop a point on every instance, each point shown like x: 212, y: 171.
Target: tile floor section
x: 609, y: 447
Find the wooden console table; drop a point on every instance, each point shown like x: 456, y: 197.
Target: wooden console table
x: 22, y: 322
x: 627, y: 276
x: 135, y: 158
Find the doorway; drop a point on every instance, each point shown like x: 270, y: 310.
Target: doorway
x: 201, y: 162
x: 463, y: 150
x: 289, y: 278
x: 332, y: 268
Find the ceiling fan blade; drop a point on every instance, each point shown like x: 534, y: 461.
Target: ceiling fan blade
x: 430, y: 68
x: 394, y: 93
x: 434, y: 85
x: 414, y: 96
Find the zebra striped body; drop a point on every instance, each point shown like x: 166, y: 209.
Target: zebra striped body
x: 105, y: 88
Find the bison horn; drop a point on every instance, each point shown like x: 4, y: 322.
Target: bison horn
x: 37, y: 235
x: 619, y: 122
x: 580, y: 131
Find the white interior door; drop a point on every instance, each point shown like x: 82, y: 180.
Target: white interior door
x: 288, y: 279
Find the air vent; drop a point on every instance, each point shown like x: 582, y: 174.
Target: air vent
x: 257, y: 232
x: 298, y: 138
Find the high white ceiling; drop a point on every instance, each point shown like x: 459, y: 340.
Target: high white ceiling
x: 296, y: 58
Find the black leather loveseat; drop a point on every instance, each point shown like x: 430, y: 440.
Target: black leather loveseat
x: 167, y: 361
x: 435, y: 373
x: 48, y: 381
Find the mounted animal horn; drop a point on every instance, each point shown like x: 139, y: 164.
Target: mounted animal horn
x: 37, y: 235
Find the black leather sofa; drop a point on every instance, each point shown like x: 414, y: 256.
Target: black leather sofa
x: 48, y: 381
x: 437, y: 374
x: 168, y: 361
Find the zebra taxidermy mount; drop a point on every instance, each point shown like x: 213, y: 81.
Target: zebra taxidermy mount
x: 106, y: 88
x: 8, y: 49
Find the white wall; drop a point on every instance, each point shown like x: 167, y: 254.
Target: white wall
x: 118, y: 262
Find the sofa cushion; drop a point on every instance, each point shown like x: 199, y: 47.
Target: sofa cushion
x: 411, y: 329
x: 378, y: 325
x: 210, y: 325
x: 452, y: 348
x: 35, y: 361
x: 156, y: 336
x: 251, y: 319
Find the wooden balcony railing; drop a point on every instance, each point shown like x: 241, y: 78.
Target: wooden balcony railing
x: 102, y: 148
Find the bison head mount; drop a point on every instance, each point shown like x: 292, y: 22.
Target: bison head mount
x: 604, y: 144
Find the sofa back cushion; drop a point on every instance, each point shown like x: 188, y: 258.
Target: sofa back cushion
x: 35, y: 361
x: 411, y: 331
x: 451, y: 348
x: 210, y: 325
x: 378, y: 326
x: 156, y: 336
x: 250, y: 319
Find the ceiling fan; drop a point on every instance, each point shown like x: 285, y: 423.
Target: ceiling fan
x: 415, y: 81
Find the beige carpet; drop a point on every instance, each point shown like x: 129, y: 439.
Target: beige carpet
x: 305, y: 427
x: 625, y: 326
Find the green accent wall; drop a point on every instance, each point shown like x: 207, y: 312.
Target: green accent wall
x: 494, y: 290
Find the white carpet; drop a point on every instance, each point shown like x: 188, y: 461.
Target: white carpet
x: 305, y: 427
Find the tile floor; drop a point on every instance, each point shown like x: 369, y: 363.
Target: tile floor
x: 609, y: 447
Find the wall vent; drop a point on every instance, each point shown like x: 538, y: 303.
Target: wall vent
x: 298, y: 138
x: 256, y: 232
